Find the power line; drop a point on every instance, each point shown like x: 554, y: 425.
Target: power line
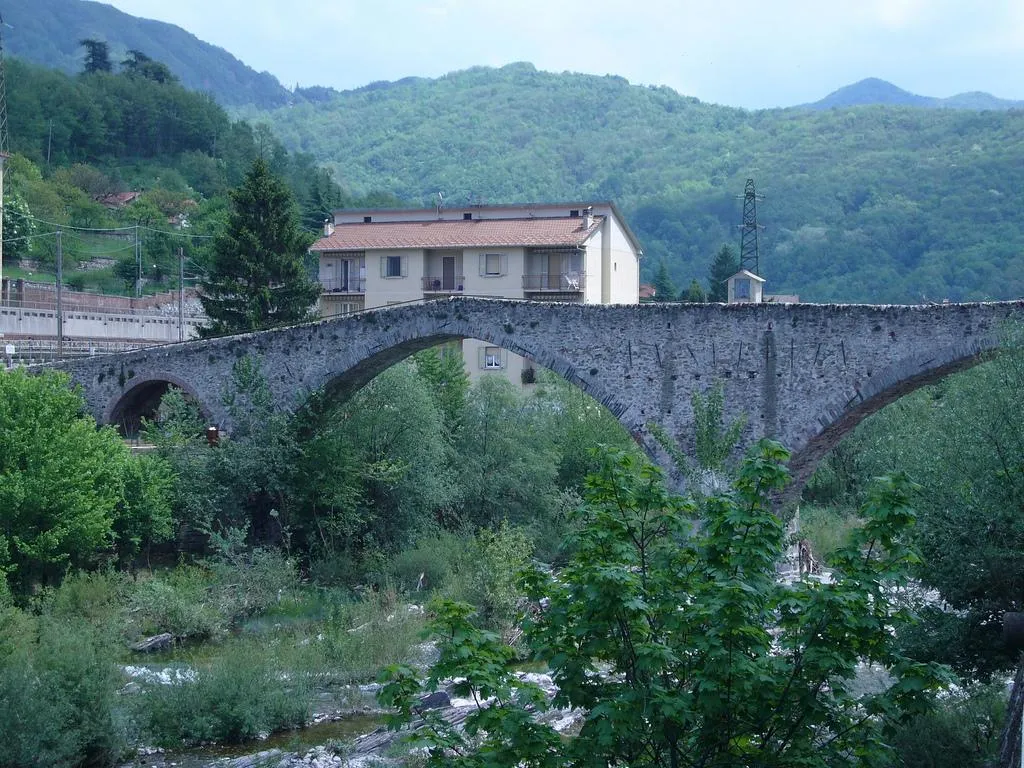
x: 110, y: 230
x: 28, y: 237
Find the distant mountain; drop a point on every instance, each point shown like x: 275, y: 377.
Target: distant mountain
x: 48, y: 32
x: 875, y: 91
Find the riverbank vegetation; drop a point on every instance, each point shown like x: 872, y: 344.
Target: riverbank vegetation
x: 290, y: 563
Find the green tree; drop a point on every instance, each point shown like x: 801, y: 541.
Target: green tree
x: 725, y: 265
x: 694, y: 294
x: 681, y: 646
x: 444, y: 371
x: 63, y: 483
x: 664, y: 288
x: 18, y: 227
x: 507, y: 458
x: 97, y: 56
x: 257, y: 277
x: 138, y: 63
x: 967, y: 451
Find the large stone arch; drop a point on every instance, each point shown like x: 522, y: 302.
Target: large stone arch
x: 842, y: 413
x: 346, y: 377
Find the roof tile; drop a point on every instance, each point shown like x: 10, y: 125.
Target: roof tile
x: 476, y: 233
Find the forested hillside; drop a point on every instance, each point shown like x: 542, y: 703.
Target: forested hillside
x: 868, y: 204
x: 48, y: 32
x: 78, y: 140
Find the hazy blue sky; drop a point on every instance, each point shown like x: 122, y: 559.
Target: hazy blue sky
x: 750, y: 53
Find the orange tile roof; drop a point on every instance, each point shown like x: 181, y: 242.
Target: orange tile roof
x: 475, y: 233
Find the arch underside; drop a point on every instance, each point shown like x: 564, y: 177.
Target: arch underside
x: 346, y: 383
x: 143, y: 400
x: 917, y: 373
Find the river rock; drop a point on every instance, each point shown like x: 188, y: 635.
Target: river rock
x: 435, y: 700
x: 159, y: 642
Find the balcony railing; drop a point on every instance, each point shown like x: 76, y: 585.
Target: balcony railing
x: 566, y: 282
x: 352, y: 285
x: 444, y: 284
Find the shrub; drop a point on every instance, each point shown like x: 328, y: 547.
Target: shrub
x: 962, y: 732
x: 828, y: 529
x: 240, y: 695
x: 98, y: 597
x: 435, y: 557
x: 360, y: 638
x: 61, y: 693
x: 249, y: 583
x: 178, y: 602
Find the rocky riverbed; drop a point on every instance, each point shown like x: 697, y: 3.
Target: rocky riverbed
x: 339, y: 739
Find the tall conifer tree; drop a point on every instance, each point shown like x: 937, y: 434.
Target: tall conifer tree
x: 664, y: 288
x: 257, y: 277
x: 725, y: 265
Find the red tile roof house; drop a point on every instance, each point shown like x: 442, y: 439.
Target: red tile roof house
x: 576, y: 252
x: 118, y: 199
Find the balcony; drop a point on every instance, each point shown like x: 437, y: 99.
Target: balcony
x: 566, y: 282
x: 450, y: 284
x: 352, y: 285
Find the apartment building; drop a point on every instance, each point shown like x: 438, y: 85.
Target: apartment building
x: 568, y: 252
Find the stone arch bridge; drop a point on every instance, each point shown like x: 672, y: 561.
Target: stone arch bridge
x: 805, y: 374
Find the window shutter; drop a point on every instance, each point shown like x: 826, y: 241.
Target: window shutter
x: 405, y: 266
x: 504, y: 357
x: 483, y: 264
x: 481, y: 361
x: 383, y: 266
x: 504, y: 264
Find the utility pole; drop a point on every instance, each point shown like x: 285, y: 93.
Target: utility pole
x: 181, y: 294
x: 60, y: 306
x: 138, y: 263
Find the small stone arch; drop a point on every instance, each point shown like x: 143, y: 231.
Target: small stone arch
x: 844, y: 412
x: 142, y: 398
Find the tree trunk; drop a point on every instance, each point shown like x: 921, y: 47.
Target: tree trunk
x: 1010, y: 742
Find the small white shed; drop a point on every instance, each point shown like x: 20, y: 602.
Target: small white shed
x: 745, y: 288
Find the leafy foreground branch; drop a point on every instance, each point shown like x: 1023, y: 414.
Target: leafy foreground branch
x: 679, y: 643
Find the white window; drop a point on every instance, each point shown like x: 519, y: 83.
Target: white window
x: 493, y: 264
x: 394, y: 266
x: 491, y: 359
x: 742, y: 290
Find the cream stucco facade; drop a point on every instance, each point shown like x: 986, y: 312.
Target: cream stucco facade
x: 568, y: 252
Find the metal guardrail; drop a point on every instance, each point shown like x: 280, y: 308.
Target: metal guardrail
x: 24, y: 347
x: 352, y: 285
x: 46, y: 306
x: 452, y: 284
x: 563, y: 282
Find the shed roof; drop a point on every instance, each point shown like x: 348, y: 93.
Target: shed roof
x: 747, y: 273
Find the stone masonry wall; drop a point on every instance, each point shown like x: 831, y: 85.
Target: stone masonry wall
x: 803, y: 373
